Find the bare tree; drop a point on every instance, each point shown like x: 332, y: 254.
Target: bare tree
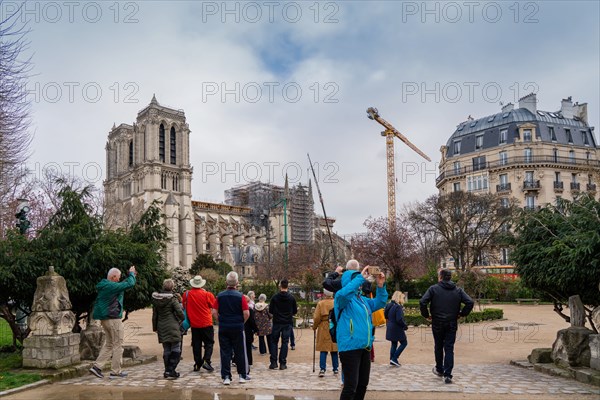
x: 15, y: 136
x: 391, y: 248
x: 471, y: 226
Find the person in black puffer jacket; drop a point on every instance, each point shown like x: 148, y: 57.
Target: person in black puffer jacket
x: 445, y: 299
x: 167, y: 316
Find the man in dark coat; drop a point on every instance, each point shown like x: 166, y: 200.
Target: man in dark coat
x: 445, y: 299
x: 167, y: 316
x: 231, y: 311
x: 283, y: 307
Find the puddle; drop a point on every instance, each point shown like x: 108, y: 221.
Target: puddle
x: 506, y: 328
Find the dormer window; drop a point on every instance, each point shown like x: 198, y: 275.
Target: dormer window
x: 527, y: 135
x: 478, y: 142
x: 552, y: 133
x: 503, y: 136
x: 457, y: 147
x: 584, y: 138
x: 569, y: 136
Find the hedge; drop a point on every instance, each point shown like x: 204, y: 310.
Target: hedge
x: 488, y: 314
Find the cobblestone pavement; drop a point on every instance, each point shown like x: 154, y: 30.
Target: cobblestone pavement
x: 468, y: 379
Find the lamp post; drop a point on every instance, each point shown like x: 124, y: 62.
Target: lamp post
x: 22, y: 210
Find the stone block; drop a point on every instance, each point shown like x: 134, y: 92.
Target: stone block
x: 90, y: 343
x: 541, y: 355
x: 594, y: 341
x: 132, y: 352
x: 571, y: 347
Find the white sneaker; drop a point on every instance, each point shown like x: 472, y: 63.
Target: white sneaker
x: 243, y: 380
x: 226, y: 381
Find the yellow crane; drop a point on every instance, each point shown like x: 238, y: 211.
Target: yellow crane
x: 389, y: 134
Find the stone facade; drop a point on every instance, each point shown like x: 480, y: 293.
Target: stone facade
x: 150, y: 160
x: 51, y: 343
x: 524, y: 153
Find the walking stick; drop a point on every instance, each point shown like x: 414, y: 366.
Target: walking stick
x: 314, y: 348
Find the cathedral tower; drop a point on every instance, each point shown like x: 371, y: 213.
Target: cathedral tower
x: 147, y: 161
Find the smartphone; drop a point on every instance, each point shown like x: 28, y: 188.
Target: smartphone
x: 374, y: 270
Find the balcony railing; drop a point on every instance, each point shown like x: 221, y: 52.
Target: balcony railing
x: 531, y: 185
x: 503, y: 187
x: 591, y: 187
x: 575, y: 186
x: 559, y: 185
x: 519, y: 160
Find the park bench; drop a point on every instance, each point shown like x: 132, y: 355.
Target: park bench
x: 534, y: 301
x: 485, y: 301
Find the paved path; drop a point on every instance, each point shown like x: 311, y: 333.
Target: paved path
x: 469, y: 379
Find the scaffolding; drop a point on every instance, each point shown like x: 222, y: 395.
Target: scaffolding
x: 260, y: 197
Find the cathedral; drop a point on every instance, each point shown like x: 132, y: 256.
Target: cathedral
x: 150, y: 160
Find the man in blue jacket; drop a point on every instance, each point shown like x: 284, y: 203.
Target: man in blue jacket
x: 355, y: 329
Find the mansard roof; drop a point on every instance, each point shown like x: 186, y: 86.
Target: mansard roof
x: 490, y: 127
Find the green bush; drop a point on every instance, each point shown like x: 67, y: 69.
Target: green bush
x: 488, y: 314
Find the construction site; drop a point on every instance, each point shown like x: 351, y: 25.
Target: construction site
x: 265, y: 199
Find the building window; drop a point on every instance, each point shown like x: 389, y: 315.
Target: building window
x: 504, y: 256
x: 574, y: 178
x: 584, y: 137
x: 569, y: 136
x: 529, y: 176
x: 503, y: 135
x: 478, y: 163
x: 503, y: 179
x: 528, y: 153
x: 557, y: 177
x: 477, y: 183
x: 530, y: 202
x: 456, y: 167
x: 503, y: 155
x: 163, y: 181
x: 161, y: 143
x: 527, y: 135
x: 457, y: 147
x: 478, y: 142
x: 587, y: 155
x: 552, y: 133
x: 555, y: 155
x: 457, y: 186
x: 572, y: 156
x: 131, y: 153
x: 504, y: 203
x: 175, y: 183
x: 173, y: 146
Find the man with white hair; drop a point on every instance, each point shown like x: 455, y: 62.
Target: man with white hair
x: 109, y: 310
x: 231, y: 311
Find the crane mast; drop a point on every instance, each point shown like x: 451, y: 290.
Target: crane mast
x: 389, y: 133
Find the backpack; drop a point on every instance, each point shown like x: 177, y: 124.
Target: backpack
x: 333, y: 324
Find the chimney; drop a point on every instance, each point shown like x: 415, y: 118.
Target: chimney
x: 508, y: 107
x: 529, y: 102
x: 566, y: 108
x: 580, y: 111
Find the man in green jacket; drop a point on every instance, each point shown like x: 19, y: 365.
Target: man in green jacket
x: 109, y: 310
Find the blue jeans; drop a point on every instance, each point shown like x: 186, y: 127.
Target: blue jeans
x: 282, y: 331
x: 396, y: 350
x: 334, y: 360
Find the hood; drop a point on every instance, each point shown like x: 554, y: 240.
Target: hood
x: 348, y: 276
x: 260, y: 306
x: 162, y: 296
x: 448, y: 285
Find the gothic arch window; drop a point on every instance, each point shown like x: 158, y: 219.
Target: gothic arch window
x: 173, y: 146
x: 131, y: 153
x: 161, y: 143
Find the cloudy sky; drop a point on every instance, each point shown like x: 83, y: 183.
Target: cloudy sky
x: 264, y: 83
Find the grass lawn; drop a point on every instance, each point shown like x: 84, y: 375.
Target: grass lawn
x: 9, y: 362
